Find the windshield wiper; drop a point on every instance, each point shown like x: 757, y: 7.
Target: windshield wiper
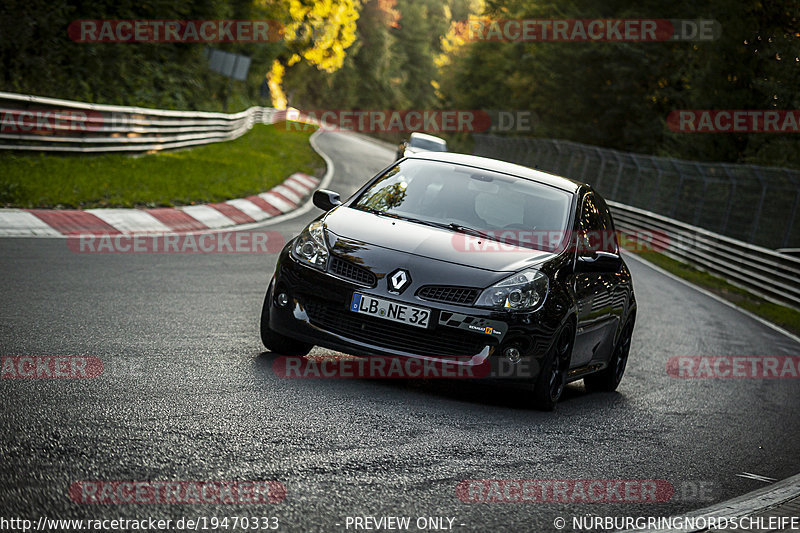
x: 472, y: 231
x: 491, y: 236
x: 376, y: 211
x: 452, y: 226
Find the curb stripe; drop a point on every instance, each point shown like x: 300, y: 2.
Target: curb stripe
x: 232, y: 213
x: 287, y: 193
x: 296, y: 187
x: 208, y: 216
x: 16, y: 222
x: 73, y: 222
x: 265, y: 206
x: 176, y: 219
x: 278, y: 201
x: 310, y: 181
x: 284, y: 198
x: 249, y: 209
x: 282, y: 204
x: 130, y: 220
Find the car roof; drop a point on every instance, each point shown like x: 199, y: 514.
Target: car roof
x: 425, y: 136
x: 503, y: 167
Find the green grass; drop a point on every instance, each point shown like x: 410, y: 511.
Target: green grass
x: 254, y: 163
x: 786, y: 317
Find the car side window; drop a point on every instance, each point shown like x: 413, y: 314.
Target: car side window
x: 590, y: 215
x: 608, y: 225
x: 590, y: 233
x: 596, y: 226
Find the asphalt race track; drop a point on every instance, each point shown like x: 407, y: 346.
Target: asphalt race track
x: 188, y: 393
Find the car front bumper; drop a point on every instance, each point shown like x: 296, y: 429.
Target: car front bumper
x: 317, y: 312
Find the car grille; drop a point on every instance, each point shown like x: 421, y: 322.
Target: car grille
x: 392, y: 335
x: 347, y: 270
x: 453, y: 295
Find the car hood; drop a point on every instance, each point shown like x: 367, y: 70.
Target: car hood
x: 435, y: 243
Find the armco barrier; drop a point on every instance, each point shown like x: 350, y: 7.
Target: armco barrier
x: 35, y: 123
x: 751, y: 203
x: 763, y: 271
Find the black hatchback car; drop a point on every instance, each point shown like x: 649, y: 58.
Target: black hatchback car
x: 450, y: 257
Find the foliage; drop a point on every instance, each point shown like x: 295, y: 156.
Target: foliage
x: 38, y: 57
x: 409, y: 54
x: 618, y: 95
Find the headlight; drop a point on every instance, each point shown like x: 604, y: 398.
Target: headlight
x: 310, y: 248
x: 524, y: 291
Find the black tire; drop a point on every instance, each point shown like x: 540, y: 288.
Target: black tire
x: 609, y: 379
x: 274, y: 341
x: 553, y: 377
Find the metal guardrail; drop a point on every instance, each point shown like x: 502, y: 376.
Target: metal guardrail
x: 722, y: 218
x: 755, y: 204
x: 35, y: 123
x: 762, y: 271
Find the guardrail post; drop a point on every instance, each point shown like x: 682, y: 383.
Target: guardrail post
x: 658, y: 185
x: 569, y: 164
x: 637, y: 179
x: 619, y: 175
x: 585, y: 166
x: 790, y: 223
x: 602, y: 169
x: 538, y: 146
x: 731, y: 195
x: 699, y: 208
x: 557, y: 163
x: 678, y: 191
x: 757, y: 217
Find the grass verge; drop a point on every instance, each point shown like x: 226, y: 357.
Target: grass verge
x: 781, y: 315
x: 253, y: 163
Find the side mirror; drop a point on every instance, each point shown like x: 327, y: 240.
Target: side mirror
x: 326, y: 200
x: 598, y: 262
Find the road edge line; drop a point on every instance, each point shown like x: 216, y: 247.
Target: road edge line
x: 716, y: 297
x: 747, y: 504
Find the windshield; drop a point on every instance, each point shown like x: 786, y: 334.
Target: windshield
x: 489, y: 204
x: 427, y: 144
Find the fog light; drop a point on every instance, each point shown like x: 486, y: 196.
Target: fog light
x: 512, y: 354
x: 283, y: 299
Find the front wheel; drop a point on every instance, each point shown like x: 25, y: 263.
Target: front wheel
x: 608, y: 380
x: 274, y: 341
x: 553, y: 377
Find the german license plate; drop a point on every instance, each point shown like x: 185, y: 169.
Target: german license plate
x: 394, y: 311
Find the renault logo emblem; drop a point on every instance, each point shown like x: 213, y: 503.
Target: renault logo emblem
x: 399, y: 280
